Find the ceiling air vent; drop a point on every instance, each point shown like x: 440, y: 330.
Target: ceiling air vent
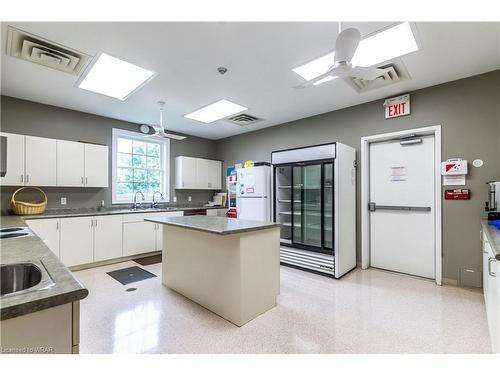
x: 29, y: 47
x: 243, y: 119
x: 393, y: 73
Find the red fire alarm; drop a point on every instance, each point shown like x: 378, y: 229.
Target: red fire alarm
x: 457, y: 194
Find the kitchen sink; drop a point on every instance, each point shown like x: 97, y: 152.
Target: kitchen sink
x: 23, y: 277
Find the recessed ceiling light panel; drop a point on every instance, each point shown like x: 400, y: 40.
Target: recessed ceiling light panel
x: 376, y: 48
x: 393, y: 42
x: 216, y: 111
x: 114, y: 77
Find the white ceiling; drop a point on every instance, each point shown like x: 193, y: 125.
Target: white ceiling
x: 259, y: 58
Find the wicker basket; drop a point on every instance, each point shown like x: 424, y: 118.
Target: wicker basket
x: 28, y: 208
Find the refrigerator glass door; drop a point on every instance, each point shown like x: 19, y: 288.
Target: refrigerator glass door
x: 283, y: 202
x: 328, y: 205
x: 307, y: 205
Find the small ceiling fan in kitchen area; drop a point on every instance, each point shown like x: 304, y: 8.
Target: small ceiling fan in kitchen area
x: 160, y: 129
x: 345, y: 46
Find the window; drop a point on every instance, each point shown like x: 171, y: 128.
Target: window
x: 139, y: 164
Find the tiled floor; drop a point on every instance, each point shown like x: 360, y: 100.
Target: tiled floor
x: 369, y: 311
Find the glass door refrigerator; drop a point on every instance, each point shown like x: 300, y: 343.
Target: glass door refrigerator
x: 314, y: 201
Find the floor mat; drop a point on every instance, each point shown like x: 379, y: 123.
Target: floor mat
x: 146, y: 261
x: 130, y: 275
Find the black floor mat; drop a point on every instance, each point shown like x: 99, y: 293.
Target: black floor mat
x: 146, y: 261
x: 130, y: 275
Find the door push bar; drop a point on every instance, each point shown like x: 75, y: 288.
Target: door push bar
x: 372, y: 206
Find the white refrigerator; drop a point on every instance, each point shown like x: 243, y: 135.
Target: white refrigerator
x: 253, y: 198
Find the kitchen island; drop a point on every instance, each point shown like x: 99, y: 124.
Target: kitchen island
x: 229, y: 266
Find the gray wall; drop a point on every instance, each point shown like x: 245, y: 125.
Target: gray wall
x: 469, y: 112
x: 24, y: 117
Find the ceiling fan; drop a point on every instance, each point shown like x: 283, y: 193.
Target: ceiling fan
x: 160, y: 130
x: 345, y: 46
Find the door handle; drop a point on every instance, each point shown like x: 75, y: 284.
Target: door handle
x: 494, y: 274
x: 372, y: 207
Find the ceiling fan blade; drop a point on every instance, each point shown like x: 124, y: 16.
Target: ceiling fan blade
x: 313, y: 81
x: 177, y: 137
x: 346, y: 44
x: 368, y: 74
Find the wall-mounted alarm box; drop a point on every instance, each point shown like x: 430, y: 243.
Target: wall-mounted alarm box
x: 457, y: 194
x: 453, y: 167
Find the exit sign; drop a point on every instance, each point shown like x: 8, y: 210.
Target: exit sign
x: 398, y: 106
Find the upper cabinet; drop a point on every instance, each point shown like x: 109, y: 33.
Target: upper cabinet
x: 15, y: 160
x: 70, y: 163
x: 96, y: 166
x: 195, y: 173
x: 36, y: 161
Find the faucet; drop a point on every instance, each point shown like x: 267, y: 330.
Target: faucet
x: 154, y: 204
x: 137, y: 205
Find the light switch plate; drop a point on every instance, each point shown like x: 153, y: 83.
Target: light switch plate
x: 63, y: 200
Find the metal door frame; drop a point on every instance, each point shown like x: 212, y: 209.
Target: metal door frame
x: 365, y: 191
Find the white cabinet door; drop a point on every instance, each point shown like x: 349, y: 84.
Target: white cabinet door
x: 15, y: 160
x: 202, y: 166
x: 185, y: 172
x: 159, y: 227
x: 138, y: 238
x: 77, y: 240
x: 48, y: 231
x: 40, y: 161
x: 214, y: 168
x: 96, y: 166
x: 70, y: 163
x: 107, y: 237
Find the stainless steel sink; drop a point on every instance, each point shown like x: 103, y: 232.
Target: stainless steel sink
x: 23, y: 277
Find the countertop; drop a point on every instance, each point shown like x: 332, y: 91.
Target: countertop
x: 493, y: 235
x: 214, y: 224
x: 65, y: 212
x: 66, y: 287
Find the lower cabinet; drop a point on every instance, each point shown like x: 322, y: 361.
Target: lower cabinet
x: 138, y: 237
x: 48, y: 231
x: 217, y: 212
x: 82, y: 240
x: 491, y: 290
x: 107, y: 237
x: 77, y: 240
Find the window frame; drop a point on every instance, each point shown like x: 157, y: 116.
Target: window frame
x: 164, y: 163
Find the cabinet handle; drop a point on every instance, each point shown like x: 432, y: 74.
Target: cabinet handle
x: 494, y: 274
x: 22, y: 178
x: 182, y: 183
x: 82, y: 180
x: 27, y: 178
x: 86, y: 180
x: 57, y: 225
x: 95, y: 223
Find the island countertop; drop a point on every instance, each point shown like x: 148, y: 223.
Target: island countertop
x: 213, y: 224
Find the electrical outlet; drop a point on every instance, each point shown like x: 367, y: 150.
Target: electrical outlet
x: 175, y: 199
x: 63, y: 200
x: 189, y: 199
